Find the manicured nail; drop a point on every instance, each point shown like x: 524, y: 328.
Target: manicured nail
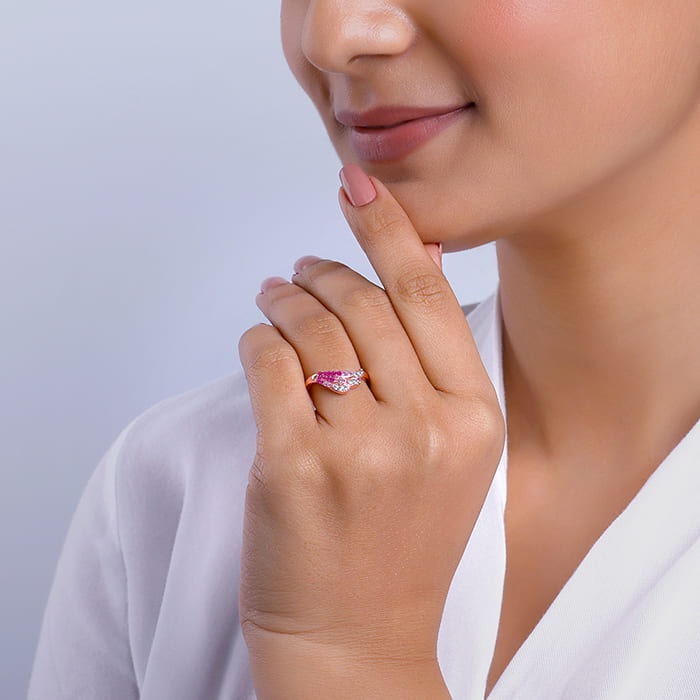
x: 305, y: 261
x: 271, y: 282
x: 358, y: 187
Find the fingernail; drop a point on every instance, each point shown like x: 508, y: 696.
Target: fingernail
x: 435, y: 252
x: 271, y: 282
x: 305, y: 261
x: 358, y: 187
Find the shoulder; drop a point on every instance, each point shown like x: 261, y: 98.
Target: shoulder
x: 158, y: 527
x: 202, y: 422
x: 180, y: 474
x: 184, y: 448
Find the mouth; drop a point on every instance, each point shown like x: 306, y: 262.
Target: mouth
x: 388, y: 134
x: 391, y: 116
x: 406, y: 121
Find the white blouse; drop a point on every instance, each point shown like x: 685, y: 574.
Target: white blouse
x: 144, y: 600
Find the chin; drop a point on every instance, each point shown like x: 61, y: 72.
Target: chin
x: 438, y: 218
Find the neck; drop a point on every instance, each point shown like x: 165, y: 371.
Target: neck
x: 600, y: 308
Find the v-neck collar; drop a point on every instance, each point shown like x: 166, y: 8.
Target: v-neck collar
x: 657, y: 526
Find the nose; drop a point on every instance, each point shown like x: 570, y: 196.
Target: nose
x: 336, y: 33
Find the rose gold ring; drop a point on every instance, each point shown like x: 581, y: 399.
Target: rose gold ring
x: 338, y: 380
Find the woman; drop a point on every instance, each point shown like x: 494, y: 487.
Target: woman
x: 391, y: 545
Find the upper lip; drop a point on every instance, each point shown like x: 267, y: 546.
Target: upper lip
x: 391, y: 115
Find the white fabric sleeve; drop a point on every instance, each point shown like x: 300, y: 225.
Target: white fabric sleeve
x: 83, y: 650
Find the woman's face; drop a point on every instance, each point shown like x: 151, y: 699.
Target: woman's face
x: 566, y: 94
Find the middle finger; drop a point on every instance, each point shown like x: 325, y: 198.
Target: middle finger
x: 368, y: 316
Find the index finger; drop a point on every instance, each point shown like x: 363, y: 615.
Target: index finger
x: 420, y: 294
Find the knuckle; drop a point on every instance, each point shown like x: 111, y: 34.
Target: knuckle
x: 486, y: 426
x: 270, y: 356
x: 322, y: 325
x: 309, y: 475
x: 413, y: 440
x: 383, y: 223
x: 260, y: 335
x: 435, y: 443
x: 422, y: 288
x: 429, y: 439
x: 367, y: 298
x: 375, y: 461
x: 249, y: 337
x: 488, y: 414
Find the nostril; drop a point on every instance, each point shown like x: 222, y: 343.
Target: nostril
x: 335, y: 38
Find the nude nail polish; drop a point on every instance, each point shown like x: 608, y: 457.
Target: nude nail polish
x: 358, y: 187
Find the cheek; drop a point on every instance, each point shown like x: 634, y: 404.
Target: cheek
x: 570, y: 90
x: 291, y: 24
x: 569, y: 93
x: 597, y: 62
x: 292, y: 20
x: 515, y: 51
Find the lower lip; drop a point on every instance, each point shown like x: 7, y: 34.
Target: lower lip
x: 398, y: 141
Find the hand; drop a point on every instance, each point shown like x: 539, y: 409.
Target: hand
x: 359, y: 506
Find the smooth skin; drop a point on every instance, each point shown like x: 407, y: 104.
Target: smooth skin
x: 347, y: 503
x: 583, y: 162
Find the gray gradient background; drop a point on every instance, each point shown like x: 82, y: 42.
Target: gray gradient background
x: 157, y: 161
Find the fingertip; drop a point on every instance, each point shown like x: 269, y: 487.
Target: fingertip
x: 270, y: 283
x: 358, y: 186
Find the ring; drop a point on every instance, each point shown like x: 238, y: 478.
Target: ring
x: 338, y: 380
